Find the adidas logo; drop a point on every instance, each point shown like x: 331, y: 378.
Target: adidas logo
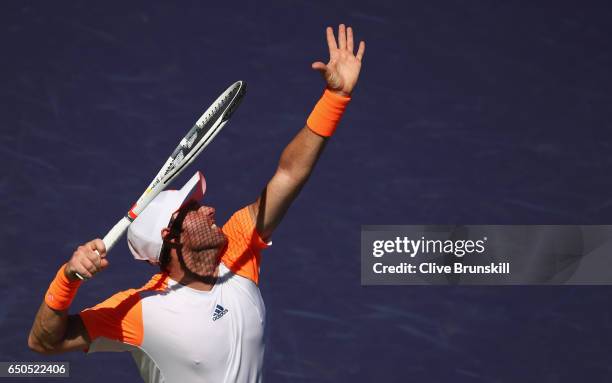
x: 219, y: 312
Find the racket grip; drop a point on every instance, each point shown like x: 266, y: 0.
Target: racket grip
x: 111, y: 238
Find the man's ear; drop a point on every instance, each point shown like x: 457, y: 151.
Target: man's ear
x: 165, y: 232
x: 168, y: 237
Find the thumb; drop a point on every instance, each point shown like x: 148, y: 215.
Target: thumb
x: 98, y: 246
x: 103, y: 263
x: 319, y: 66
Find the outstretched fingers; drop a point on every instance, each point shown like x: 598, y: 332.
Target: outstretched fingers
x: 345, y: 40
x: 331, y: 40
x: 342, y: 37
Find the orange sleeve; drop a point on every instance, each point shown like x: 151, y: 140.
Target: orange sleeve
x: 120, y: 316
x: 117, y: 318
x: 242, y: 255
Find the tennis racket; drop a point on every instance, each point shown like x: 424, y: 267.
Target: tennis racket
x: 198, y: 137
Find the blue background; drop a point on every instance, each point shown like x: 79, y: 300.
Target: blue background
x: 470, y: 112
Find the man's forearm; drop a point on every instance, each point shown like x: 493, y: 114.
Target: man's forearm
x: 301, y: 154
x: 49, y: 326
x: 53, y: 329
x: 295, y: 166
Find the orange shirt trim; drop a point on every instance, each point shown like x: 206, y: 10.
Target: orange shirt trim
x: 120, y: 316
x: 243, y: 253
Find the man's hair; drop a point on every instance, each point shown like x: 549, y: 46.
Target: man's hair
x: 164, y: 257
x: 164, y: 254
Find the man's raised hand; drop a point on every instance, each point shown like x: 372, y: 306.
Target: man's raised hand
x: 87, y: 260
x: 342, y: 70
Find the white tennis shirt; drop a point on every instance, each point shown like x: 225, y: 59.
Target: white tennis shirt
x: 179, y: 334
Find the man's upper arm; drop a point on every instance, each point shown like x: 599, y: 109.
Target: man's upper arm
x: 77, y: 337
x: 273, y: 202
x: 55, y: 332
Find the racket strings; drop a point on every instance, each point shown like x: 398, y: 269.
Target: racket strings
x: 218, y: 106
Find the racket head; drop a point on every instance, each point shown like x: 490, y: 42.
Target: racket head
x: 197, y: 138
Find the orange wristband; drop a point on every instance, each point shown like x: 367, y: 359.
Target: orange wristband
x: 61, y: 291
x: 327, y: 113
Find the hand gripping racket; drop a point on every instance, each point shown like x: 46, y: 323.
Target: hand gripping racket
x: 198, y: 137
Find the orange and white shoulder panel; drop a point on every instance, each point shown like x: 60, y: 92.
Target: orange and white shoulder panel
x: 120, y: 316
x: 242, y: 255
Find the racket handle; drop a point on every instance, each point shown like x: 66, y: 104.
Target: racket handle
x: 111, y: 238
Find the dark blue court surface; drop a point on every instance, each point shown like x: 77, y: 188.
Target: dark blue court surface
x: 466, y: 112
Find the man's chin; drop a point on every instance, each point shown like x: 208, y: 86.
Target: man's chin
x: 203, y: 265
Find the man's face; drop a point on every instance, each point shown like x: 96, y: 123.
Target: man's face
x: 200, y: 240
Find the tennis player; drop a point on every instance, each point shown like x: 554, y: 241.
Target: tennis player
x: 201, y: 319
